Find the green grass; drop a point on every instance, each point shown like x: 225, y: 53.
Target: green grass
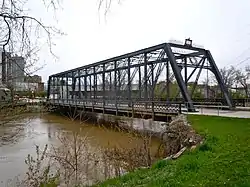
x: 223, y: 159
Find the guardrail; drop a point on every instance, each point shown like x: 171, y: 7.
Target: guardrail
x: 244, y: 102
x: 217, y: 105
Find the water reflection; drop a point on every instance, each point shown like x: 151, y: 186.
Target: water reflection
x: 41, y: 130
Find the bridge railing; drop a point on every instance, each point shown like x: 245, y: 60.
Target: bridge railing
x: 155, y: 106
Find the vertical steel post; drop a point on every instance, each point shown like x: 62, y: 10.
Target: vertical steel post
x: 62, y: 83
x: 129, y: 84
x: 207, y: 83
x: 85, y: 85
x: 110, y: 86
x: 67, y: 89
x: 119, y: 84
x: 152, y: 92
x: 139, y: 82
x: 90, y: 88
x: 115, y: 87
x: 168, y: 81
x: 103, y: 86
x: 186, y: 74
x: 73, y: 85
x: 152, y: 80
x: 58, y: 87
x: 79, y: 85
x: 145, y: 80
x: 95, y: 85
x: 48, y: 90
x: 53, y: 86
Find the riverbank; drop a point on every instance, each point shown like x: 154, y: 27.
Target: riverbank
x: 223, y: 159
x: 15, y: 112
x: 20, y: 136
x: 145, y: 127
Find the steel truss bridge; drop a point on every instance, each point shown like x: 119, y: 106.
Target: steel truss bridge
x: 138, y: 82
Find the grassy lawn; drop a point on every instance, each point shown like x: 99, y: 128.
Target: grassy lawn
x: 223, y: 160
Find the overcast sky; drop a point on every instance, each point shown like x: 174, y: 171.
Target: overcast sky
x: 222, y: 26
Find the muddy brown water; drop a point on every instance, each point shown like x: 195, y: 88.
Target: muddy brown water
x: 19, y: 138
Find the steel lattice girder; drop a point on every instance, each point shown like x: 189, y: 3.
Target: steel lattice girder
x: 113, y: 77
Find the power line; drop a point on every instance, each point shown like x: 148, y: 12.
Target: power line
x: 248, y: 58
x: 232, y: 62
x: 240, y: 56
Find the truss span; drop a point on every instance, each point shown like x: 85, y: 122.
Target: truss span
x: 158, y: 74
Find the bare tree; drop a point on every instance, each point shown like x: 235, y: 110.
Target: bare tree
x: 23, y: 34
x: 106, y: 5
x: 242, y: 78
x: 228, y: 76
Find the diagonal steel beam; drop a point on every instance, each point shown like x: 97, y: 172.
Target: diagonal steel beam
x: 222, y: 85
x: 179, y: 78
x: 197, y: 78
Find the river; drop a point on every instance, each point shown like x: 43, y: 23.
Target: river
x: 19, y: 138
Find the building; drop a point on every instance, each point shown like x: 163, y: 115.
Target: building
x: 33, y: 83
x: 27, y: 86
x: 16, y: 69
x: 12, y: 74
x: 4, y: 67
x: 33, y: 79
x: 12, y: 71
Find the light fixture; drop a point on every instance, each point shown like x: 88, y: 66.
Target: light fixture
x: 188, y: 42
